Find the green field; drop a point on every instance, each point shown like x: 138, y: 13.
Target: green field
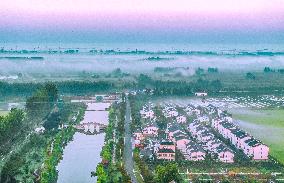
x: 3, y: 113
x: 266, y: 125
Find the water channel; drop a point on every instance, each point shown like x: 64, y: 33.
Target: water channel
x: 81, y: 156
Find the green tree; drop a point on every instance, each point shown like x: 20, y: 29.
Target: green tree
x: 168, y: 173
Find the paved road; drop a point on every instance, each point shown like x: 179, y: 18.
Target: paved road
x: 128, y: 158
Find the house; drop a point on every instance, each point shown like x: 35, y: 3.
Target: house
x: 200, y: 94
x: 193, y: 152
x: 240, y: 139
x: 166, y: 154
x: 203, y: 118
x: 147, y: 114
x: 181, y: 119
x: 225, y: 155
x: 166, y: 150
x: 171, y: 130
x: 138, y: 135
x: 256, y: 150
x: 40, y: 130
x: 181, y: 141
x: 167, y: 145
x: 150, y: 130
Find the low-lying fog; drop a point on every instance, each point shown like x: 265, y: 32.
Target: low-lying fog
x: 61, y: 63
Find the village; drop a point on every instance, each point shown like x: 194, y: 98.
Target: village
x: 196, y: 132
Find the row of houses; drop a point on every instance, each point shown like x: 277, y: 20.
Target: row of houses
x: 147, y: 111
x: 196, y: 139
x: 210, y: 142
x: 190, y: 149
x: 252, y: 147
x: 170, y: 111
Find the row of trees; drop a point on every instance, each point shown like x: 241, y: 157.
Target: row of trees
x: 54, y: 154
x: 20, y: 166
x: 68, y: 87
x: 108, y: 170
x: 268, y: 70
x: 184, y: 88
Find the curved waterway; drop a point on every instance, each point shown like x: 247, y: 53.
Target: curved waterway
x: 81, y: 156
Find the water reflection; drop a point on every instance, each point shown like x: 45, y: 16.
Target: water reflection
x: 82, y: 155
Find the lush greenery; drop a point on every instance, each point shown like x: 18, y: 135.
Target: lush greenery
x: 22, y: 164
x: 54, y: 154
x: 29, y: 149
x: 111, y: 169
x: 146, y: 173
x: 211, y: 81
x: 65, y: 87
x: 167, y: 173
x: 10, y: 124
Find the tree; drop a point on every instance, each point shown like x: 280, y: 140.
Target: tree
x: 52, y: 121
x: 199, y: 71
x: 212, y: 70
x: 168, y: 173
x: 144, y: 80
x: 250, y: 75
x: 101, y: 174
x: 52, y: 92
x: 267, y: 69
x: 216, y: 85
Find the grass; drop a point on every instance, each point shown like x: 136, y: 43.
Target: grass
x: 270, y: 117
x: 3, y: 113
x: 266, y: 125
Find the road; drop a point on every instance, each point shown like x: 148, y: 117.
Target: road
x: 128, y: 155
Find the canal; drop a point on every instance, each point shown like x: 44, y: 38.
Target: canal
x: 81, y: 156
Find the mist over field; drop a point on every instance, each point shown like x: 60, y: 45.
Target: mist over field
x: 100, y: 63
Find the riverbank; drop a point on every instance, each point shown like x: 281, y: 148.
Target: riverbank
x: 84, y: 149
x: 112, y: 167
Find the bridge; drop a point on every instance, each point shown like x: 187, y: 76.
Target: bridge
x: 90, y: 128
x: 96, y: 109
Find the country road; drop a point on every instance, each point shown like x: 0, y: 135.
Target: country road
x: 128, y: 156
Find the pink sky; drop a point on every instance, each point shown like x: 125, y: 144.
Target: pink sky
x: 142, y: 6
x: 146, y: 15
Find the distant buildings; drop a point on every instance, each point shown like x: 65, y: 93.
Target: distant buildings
x: 200, y: 94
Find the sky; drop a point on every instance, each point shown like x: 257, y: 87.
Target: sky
x: 256, y: 21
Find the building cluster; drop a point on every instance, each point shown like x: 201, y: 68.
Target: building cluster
x: 147, y: 111
x: 210, y: 142
x: 196, y: 132
x: 243, y: 141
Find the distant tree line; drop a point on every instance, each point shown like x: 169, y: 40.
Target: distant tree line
x: 269, y: 70
x: 65, y: 87
x: 184, y: 88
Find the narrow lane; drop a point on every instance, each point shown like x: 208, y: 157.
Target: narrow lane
x: 128, y: 156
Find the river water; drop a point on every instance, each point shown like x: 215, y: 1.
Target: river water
x: 81, y: 156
